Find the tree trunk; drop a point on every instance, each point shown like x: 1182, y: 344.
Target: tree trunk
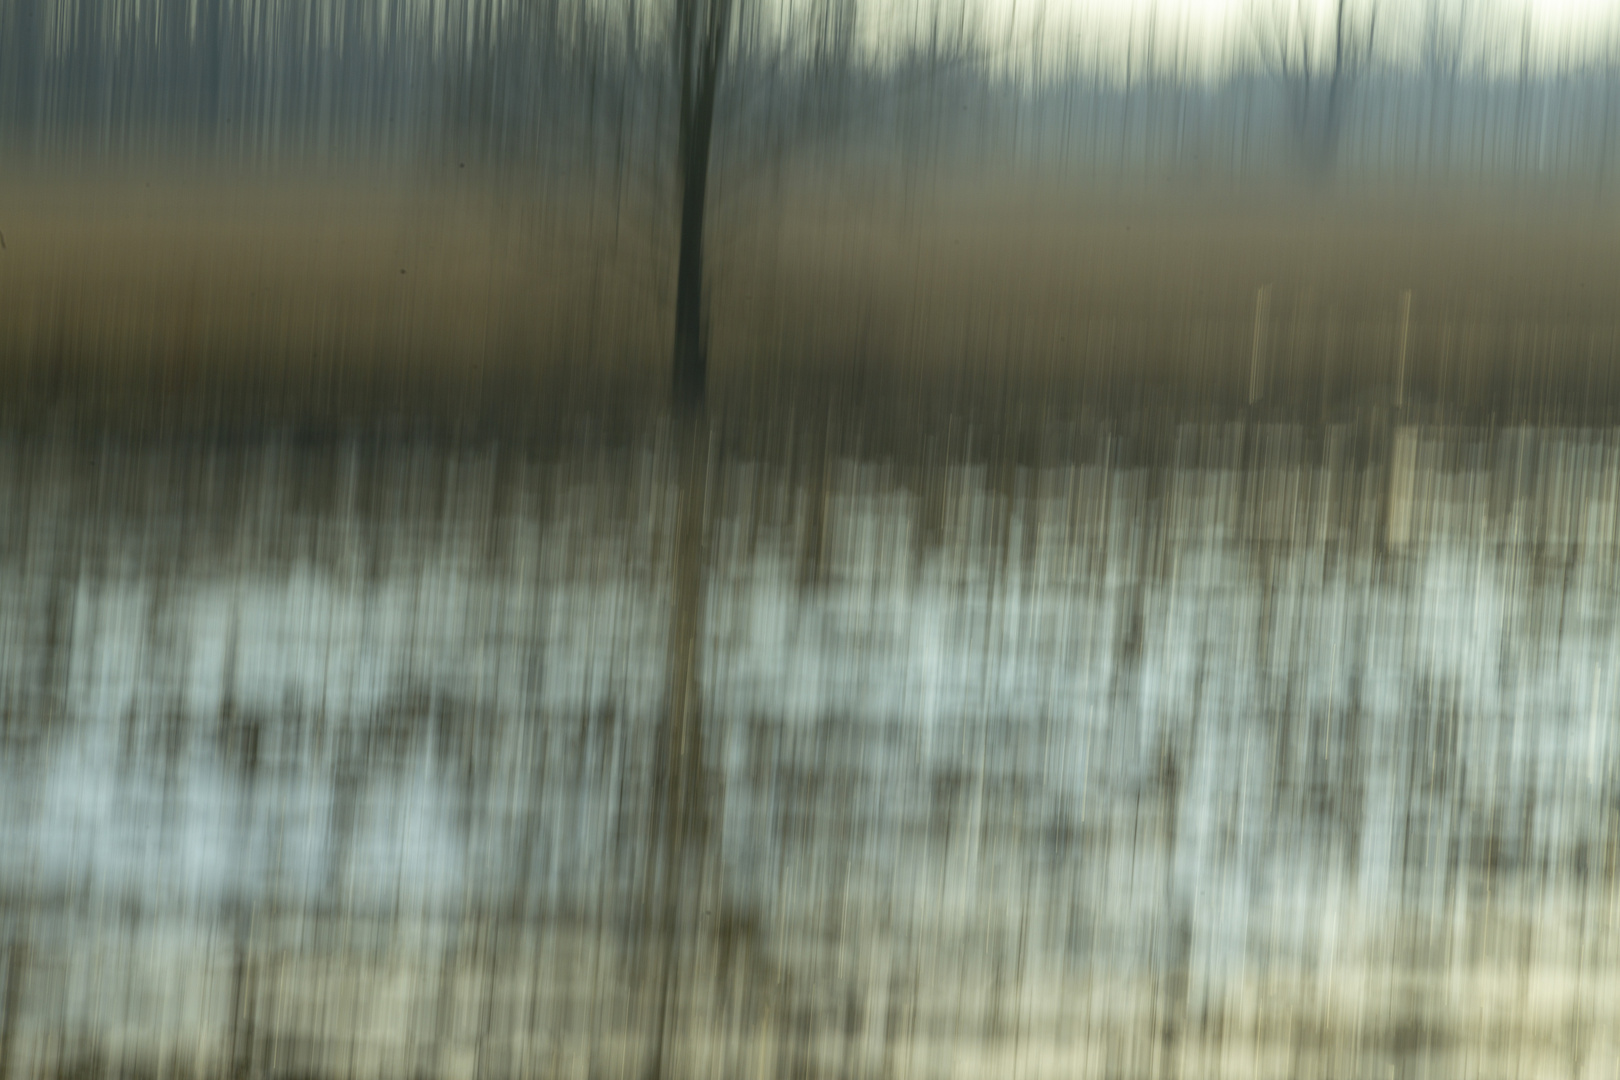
x: 702, y: 28
x: 701, y: 33
x: 691, y: 360
x: 682, y: 805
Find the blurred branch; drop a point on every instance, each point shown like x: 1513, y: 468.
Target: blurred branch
x: 1317, y: 68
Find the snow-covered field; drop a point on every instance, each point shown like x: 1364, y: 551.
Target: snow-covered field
x: 1041, y: 756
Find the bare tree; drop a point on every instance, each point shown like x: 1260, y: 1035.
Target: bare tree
x: 934, y: 71
x: 701, y: 38
x: 1318, y: 66
x: 702, y: 31
x: 829, y: 64
x: 1446, y: 42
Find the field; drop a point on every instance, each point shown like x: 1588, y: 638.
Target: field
x: 478, y: 304
x: 327, y: 762
x: 1163, y: 638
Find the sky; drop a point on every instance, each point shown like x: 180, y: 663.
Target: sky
x: 1556, y: 18
x: 1557, y: 26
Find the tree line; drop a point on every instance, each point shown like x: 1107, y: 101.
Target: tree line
x: 571, y: 85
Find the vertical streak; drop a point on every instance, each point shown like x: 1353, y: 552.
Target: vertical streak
x: 1400, y: 366
x: 1262, y: 305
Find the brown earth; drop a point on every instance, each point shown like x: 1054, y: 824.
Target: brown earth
x: 492, y: 304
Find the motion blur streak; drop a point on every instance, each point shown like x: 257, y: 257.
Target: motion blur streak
x: 684, y: 539
x: 1071, y: 764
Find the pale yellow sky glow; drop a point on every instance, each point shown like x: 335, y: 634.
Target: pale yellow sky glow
x: 1555, y: 18
x: 1558, y: 27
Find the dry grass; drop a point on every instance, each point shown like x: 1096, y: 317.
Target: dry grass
x: 416, y: 1009
x: 303, y: 302
x: 482, y: 303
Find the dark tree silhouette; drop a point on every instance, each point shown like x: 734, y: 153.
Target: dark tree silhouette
x: 702, y: 30
x: 1318, y: 68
